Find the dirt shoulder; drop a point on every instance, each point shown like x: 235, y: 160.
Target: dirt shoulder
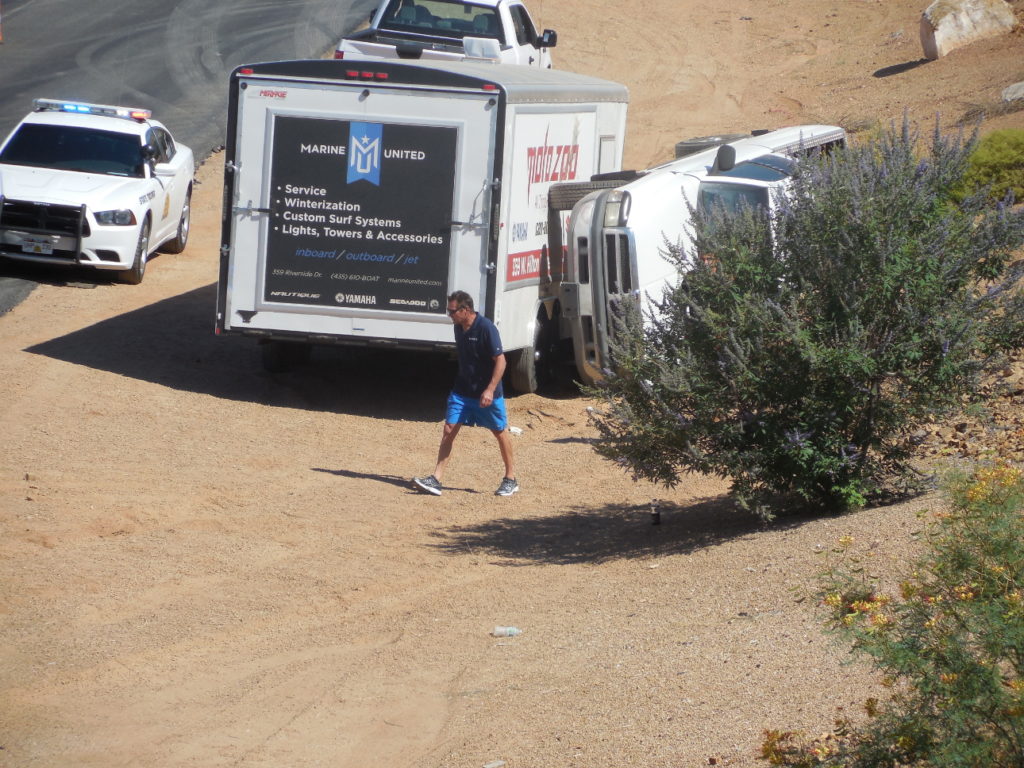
x: 206, y: 564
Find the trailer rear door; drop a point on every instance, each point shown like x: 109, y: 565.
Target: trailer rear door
x: 357, y: 208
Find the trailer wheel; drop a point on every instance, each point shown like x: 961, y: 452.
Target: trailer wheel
x: 280, y: 356
x: 700, y: 143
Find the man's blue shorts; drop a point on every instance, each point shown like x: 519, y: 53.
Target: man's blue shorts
x: 467, y: 410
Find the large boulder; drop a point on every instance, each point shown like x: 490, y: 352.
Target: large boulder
x: 949, y: 24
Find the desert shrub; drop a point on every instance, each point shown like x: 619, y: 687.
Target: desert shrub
x: 949, y: 642
x: 997, y: 166
x: 798, y: 348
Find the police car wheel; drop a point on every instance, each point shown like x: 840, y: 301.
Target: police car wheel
x: 134, y: 275
x: 177, y: 245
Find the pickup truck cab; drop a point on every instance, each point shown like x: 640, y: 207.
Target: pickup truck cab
x: 496, y: 30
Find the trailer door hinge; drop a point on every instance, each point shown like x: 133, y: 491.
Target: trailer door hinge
x: 249, y: 210
x: 491, y: 268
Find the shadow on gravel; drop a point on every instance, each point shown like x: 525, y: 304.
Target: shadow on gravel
x: 897, y: 69
x: 602, y: 534
x: 172, y: 343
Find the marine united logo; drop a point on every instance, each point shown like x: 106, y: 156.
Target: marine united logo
x: 364, y: 152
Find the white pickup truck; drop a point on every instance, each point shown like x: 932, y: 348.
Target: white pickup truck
x: 496, y: 30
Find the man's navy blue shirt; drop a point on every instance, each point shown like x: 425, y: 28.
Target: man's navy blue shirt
x: 477, y: 349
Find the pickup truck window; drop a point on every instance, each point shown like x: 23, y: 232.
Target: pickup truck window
x: 444, y: 18
x: 526, y: 33
x: 731, y: 196
x: 69, y: 148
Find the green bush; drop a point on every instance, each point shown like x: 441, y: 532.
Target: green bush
x: 997, y: 165
x: 795, y: 356
x: 950, y: 643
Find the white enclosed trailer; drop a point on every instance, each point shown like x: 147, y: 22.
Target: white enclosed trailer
x: 359, y: 195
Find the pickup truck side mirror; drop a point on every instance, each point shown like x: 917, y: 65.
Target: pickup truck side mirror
x: 548, y: 40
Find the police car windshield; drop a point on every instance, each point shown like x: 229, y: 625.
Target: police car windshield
x: 68, y: 148
x: 730, y: 196
x: 446, y: 18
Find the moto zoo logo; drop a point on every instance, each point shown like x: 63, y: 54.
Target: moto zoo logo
x: 549, y: 163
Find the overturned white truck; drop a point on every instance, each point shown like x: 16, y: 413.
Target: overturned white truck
x: 359, y: 195
x: 619, y: 227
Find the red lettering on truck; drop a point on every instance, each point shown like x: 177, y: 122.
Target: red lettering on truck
x: 523, y: 266
x: 549, y: 163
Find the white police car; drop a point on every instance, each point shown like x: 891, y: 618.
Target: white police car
x: 93, y: 185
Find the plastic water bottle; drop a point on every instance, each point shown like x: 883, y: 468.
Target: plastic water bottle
x: 506, y: 631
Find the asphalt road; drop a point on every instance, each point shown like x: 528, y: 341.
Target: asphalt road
x: 172, y: 57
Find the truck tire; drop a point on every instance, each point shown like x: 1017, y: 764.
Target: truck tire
x: 134, y: 274
x: 563, y: 197
x: 537, y: 366
x: 281, y: 356
x: 522, y: 371
x: 177, y: 245
x: 700, y: 143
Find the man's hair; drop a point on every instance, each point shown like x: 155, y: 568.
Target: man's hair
x: 462, y: 299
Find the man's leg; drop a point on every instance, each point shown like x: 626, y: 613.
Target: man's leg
x: 445, y: 449
x: 505, y: 446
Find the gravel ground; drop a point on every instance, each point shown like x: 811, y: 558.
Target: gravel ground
x: 205, y: 564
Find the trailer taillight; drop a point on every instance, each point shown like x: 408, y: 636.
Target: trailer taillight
x: 355, y: 74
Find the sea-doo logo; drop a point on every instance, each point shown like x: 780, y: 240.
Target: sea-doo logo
x: 364, y: 151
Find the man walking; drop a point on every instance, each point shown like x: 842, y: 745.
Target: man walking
x: 477, y: 398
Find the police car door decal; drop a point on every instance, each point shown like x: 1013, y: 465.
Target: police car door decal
x: 360, y: 214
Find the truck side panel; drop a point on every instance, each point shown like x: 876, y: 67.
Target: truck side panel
x: 552, y: 146
x: 350, y: 206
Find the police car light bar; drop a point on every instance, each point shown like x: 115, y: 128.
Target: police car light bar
x: 81, y: 108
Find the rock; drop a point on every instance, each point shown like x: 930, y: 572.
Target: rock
x: 1013, y: 92
x: 950, y: 24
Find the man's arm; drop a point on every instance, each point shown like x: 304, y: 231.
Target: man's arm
x: 499, y: 370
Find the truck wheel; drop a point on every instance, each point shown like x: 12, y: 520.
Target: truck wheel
x: 564, y: 196
x: 522, y: 371
x: 177, y: 245
x: 134, y: 275
x: 536, y: 366
x: 700, y: 143
x: 280, y: 356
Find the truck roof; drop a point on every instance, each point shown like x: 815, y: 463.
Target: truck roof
x: 520, y: 84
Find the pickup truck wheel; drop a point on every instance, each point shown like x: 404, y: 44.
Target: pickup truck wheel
x: 134, y: 275
x: 177, y: 245
x: 280, y: 356
x: 700, y: 143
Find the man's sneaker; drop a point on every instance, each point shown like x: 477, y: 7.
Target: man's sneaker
x: 508, y: 487
x: 429, y: 484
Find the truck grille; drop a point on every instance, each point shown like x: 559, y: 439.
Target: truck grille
x: 44, y: 217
